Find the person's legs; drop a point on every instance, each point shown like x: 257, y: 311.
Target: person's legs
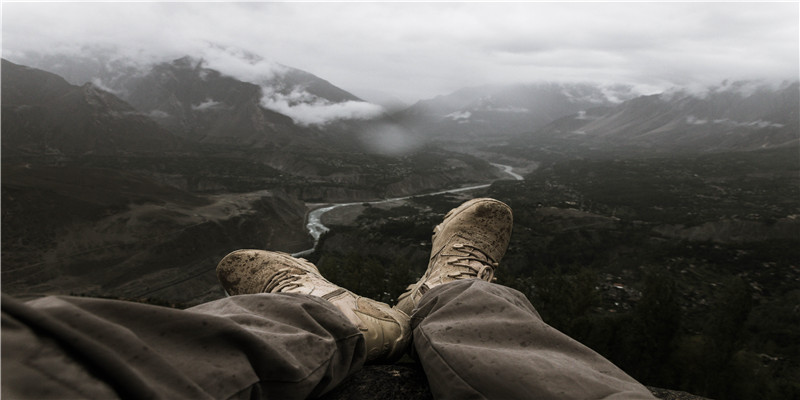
x: 288, y: 346
x: 288, y: 334
x: 386, y: 331
x: 477, y: 340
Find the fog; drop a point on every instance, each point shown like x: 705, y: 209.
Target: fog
x: 303, y: 107
x: 413, y: 51
x: 307, y: 109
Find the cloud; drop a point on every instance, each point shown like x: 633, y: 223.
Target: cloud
x: 306, y: 109
x: 387, y: 138
x: 420, y: 50
x: 239, y: 63
x: 99, y: 83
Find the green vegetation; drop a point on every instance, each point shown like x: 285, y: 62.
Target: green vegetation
x: 713, y: 312
x: 681, y: 270
x: 309, y: 175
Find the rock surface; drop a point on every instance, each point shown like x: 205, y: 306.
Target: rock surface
x: 407, y: 381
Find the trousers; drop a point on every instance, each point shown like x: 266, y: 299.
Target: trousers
x: 474, y: 340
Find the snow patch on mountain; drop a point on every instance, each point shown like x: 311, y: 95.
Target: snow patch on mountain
x: 206, y: 105
x: 692, y: 120
x: 459, y: 115
x: 508, y: 109
x: 743, y: 88
x: 158, y: 114
x: 759, y: 123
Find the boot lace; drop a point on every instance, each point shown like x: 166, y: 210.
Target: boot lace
x: 284, y: 279
x: 473, y: 262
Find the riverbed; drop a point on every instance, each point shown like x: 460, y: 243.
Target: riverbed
x: 316, y: 228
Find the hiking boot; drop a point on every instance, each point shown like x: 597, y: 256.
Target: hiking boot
x: 468, y: 244
x: 386, y: 331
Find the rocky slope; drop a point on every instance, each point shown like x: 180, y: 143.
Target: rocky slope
x: 204, y: 106
x: 230, y: 98
x: 733, y: 117
x: 75, y: 230
x: 43, y: 114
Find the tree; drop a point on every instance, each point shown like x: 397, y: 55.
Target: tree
x: 649, y: 339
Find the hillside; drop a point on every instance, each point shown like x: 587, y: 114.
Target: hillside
x: 651, y: 228
x: 734, y: 117
x: 682, y: 270
x: 203, y: 106
x: 492, y: 110
x: 43, y: 114
x: 99, y: 199
x: 233, y: 98
x: 101, y: 232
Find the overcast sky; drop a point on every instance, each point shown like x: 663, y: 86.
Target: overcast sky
x: 420, y: 50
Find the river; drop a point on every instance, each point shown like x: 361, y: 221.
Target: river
x: 316, y: 228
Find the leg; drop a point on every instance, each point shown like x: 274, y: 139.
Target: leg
x: 481, y: 340
x: 274, y: 345
x: 386, y: 331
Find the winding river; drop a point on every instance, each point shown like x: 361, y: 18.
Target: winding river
x: 316, y: 228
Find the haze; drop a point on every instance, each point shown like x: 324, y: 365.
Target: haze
x: 413, y: 51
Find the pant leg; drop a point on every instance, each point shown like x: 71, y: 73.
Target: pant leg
x: 480, y: 340
x: 285, y: 346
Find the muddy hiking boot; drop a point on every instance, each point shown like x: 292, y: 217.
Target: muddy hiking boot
x: 386, y: 331
x: 468, y: 244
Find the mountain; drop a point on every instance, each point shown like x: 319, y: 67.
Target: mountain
x: 289, y: 80
x: 230, y: 98
x: 504, y: 109
x: 108, y: 68
x: 392, y: 104
x: 277, y: 106
x: 103, y: 67
x: 202, y: 105
x: 106, y: 232
x: 43, y: 114
x: 734, y: 116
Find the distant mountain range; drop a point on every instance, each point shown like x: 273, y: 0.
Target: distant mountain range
x: 138, y: 110
x: 735, y: 116
x: 505, y: 109
x: 269, y: 105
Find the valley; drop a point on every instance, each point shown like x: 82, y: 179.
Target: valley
x: 346, y: 213
x: 632, y: 257
x: 147, y: 226
x: 661, y: 230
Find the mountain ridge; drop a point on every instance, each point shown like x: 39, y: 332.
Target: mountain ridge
x: 44, y: 114
x: 720, y: 120
x: 504, y: 109
x: 274, y: 105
